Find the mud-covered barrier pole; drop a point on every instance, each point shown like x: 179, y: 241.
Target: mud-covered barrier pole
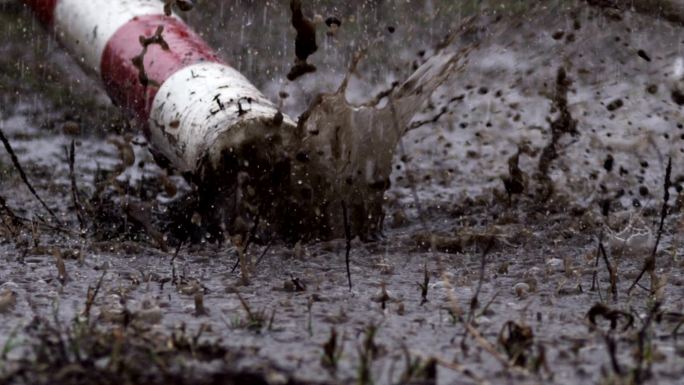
x: 198, y: 113
x: 192, y: 105
x: 254, y: 167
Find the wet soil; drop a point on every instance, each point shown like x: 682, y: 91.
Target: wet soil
x: 473, y: 280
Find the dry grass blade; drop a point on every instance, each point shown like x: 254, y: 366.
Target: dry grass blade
x: 488, y: 347
x: 250, y: 238
x: 474, y: 301
x: 24, y: 178
x: 92, y: 294
x: 425, y: 286
x: 650, y: 263
x: 75, y: 196
x: 641, y: 373
x: 62, y: 275
x: 611, y: 271
x: 14, y: 220
x: 611, y: 345
x: 595, y: 284
x: 199, y: 304
x: 263, y: 253
x: 332, y: 351
x: 348, y: 236
x: 174, y: 279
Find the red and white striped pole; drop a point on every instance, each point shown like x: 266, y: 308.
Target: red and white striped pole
x: 195, y: 109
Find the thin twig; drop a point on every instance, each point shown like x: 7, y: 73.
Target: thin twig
x: 611, y: 271
x: 250, y: 236
x: 23, y: 176
x: 641, y: 341
x: 666, y: 197
x: 348, y: 236
x: 490, y: 302
x: 48, y: 226
x: 611, y: 345
x: 263, y: 253
x: 75, y: 197
x: 489, y: 348
x: 173, y: 263
x: 650, y: 263
x: 595, y: 284
x: 90, y: 300
x: 15, y: 220
x: 474, y: 301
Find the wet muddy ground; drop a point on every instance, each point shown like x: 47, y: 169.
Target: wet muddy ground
x: 488, y: 270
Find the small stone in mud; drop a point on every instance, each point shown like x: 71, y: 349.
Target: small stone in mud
x: 642, y: 54
x: 8, y: 300
x: 399, y: 219
x: 521, y: 289
x: 652, y: 89
x: 483, y: 90
x: 615, y: 104
x: 503, y: 268
x: 558, y: 34
x: 391, y: 29
x: 555, y: 264
x: 382, y: 296
x: 643, y: 191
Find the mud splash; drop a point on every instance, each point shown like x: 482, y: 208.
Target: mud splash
x: 347, y: 151
x: 329, y: 178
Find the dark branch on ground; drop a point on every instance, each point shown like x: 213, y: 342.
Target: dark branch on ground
x: 23, y: 176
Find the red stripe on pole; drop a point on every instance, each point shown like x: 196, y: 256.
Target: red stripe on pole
x: 121, y: 77
x: 44, y: 9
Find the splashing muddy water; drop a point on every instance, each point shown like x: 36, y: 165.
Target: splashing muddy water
x: 346, y: 153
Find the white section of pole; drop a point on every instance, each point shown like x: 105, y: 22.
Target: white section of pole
x: 85, y: 27
x: 206, y: 109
